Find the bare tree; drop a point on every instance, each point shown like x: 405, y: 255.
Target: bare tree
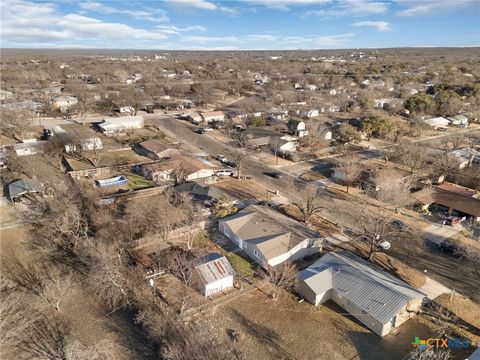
x: 109, y: 277
x: 309, y: 203
x: 373, y: 224
x: 472, y: 138
x: 444, y: 164
x: 14, y: 123
x: 392, y: 188
x: 194, y: 214
x: 349, y: 169
x: 103, y: 350
x: 412, y: 155
x: 241, y: 160
x: 57, y: 288
x: 280, y: 277
x: 45, y: 339
x: 180, y: 263
x: 15, y: 319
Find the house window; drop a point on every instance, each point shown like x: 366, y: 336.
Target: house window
x: 256, y: 253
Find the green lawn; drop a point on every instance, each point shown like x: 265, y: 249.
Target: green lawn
x: 138, y: 182
x: 241, y: 265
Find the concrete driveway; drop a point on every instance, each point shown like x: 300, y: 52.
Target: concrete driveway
x: 436, y: 233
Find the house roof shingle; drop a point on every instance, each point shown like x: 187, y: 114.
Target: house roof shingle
x: 272, y: 232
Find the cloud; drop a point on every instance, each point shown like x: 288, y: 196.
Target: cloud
x: 150, y: 14
x: 342, y: 8
x: 316, y: 42
x: 379, y: 25
x: 173, y: 30
x: 197, y: 4
x: 286, y: 4
x: 86, y: 27
x: 208, y: 39
x: 424, y: 7
x: 26, y: 23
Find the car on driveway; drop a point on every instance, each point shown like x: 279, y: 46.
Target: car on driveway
x: 274, y: 174
x: 200, y: 131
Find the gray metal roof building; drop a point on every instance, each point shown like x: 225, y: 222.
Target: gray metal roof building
x: 364, y: 287
x: 22, y: 187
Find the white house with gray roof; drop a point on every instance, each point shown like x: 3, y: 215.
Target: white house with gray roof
x: 268, y: 236
x: 379, y: 300
x: 215, y: 275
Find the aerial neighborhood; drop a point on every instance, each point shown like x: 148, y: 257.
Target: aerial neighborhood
x: 240, y: 205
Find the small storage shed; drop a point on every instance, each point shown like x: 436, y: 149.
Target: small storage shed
x: 215, y: 275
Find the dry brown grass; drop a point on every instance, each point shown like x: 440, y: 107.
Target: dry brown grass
x: 243, y: 189
x: 319, y: 224
x: 390, y: 264
x: 464, y: 308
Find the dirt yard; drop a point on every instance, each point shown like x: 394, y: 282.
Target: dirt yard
x: 286, y: 329
x: 243, y: 189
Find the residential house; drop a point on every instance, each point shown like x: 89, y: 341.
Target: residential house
x: 155, y: 149
x: 118, y: 125
x: 258, y: 138
x: 215, y: 275
x: 213, y: 116
x: 268, y: 236
x: 325, y: 132
x: 20, y: 188
x: 29, y: 147
x: 437, y: 122
x: 88, y: 144
x: 466, y: 157
x: 297, y: 127
x: 309, y: 113
x: 193, y: 117
x: 189, y: 167
x: 277, y: 114
x: 456, y: 200
x: 21, y: 105
x: 458, y: 120
x: 379, y: 300
x: 373, y: 84
x: 63, y: 103
x: 204, y: 194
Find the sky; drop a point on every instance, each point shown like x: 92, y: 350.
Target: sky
x: 239, y: 25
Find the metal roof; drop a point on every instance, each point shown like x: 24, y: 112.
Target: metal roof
x: 21, y: 187
x: 214, y: 268
x: 376, y: 292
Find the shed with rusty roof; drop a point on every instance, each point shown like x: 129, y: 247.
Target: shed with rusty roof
x: 215, y: 274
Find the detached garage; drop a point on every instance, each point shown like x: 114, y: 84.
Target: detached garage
x: 215, y: 275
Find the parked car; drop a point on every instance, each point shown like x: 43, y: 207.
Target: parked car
x: 200, y: 131
x: 385, y: 245
x: 274, y: 174
x: 452, y: 247
x: 399, y: 225
x: 221, y: 158
x: 452, y: 220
